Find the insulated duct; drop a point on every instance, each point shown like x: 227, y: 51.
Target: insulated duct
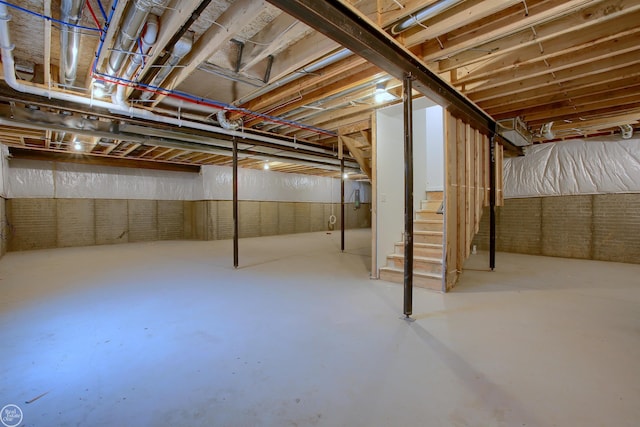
x: 627, y: 131
x: 129, y: 32
x: 180, y: 49
x: 226, y: 123
x: 70, y: 13
x: 8, y: 68
x: 423, y: 14
x: 148, y: 39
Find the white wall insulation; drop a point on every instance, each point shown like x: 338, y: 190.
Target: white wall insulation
x: 4, y: 170
x: 593, y: 166
x: 39, y: 179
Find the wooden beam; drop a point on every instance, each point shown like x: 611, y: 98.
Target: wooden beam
x: 548, y: 82
x: 587, y: 37
x: 589, y: 55
x: 98, y: 160
x: 232, y: 20
x: 270, y: 40
x: 456, y: 17
x: 549, y: 19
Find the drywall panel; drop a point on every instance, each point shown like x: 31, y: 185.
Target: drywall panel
x: 303, y: 217
x: 112, y: 222
x: 268, y: 218
x: 390, y: 197
x: 593, y: 166
x: 170, y: 220
x: 76, y: 222
x: 286, y: 218
x: 143, y: 220
x: 33, y: 223
x: 249, y: 218
x: 434, y: 119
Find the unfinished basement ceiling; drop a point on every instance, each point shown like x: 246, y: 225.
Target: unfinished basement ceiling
x: 565, y: 68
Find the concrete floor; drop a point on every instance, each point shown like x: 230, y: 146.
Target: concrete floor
x: 168, y: 334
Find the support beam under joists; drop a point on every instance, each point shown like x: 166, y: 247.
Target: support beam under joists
x: 346, y: 25
x: 408, y: 195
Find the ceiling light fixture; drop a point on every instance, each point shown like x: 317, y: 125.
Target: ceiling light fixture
x: 266, y: 166
x: 77, y: 146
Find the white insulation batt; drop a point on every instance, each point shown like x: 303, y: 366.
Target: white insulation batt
x: 593, y: 166
x: 4, y: 170
x: 39, y: 179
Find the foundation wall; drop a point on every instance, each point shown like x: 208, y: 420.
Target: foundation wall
x: 50, y: 223
x: 600, y: 227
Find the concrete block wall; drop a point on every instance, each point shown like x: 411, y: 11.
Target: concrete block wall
x: 601, y: 227
x: 6, y: 231
x: 51, y: 223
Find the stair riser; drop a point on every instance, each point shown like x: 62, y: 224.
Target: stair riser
x: 422, y: 238
x: 429, y: 226
x: 430, y: 205
x: 429, y: 215
x: 418, y: 265
x: 418, y: 251
x: 435, y: 195
x: 420, y: 282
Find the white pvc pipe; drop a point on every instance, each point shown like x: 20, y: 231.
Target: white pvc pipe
x: 8, y: 65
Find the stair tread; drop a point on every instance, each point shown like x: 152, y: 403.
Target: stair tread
x: 415, y: 273
x: 423, y: 245
x: 428, y: 221
x: 418, y: 258
x: 432, y: 233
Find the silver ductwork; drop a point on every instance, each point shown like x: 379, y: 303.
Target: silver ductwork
x: 129, y: 32
x: 71, y: 13
x: 180, y: 49
x: 626, y: 131
x: 148, y: 39
x: 423, y: 14
x: 226, y: 123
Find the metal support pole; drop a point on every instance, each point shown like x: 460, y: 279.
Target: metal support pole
x: 492, y: 204
x: 408, y: 195
x: 235, y: 204
x: 342, y: 204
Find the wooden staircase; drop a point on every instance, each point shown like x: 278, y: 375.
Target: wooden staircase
x: 427, y: 248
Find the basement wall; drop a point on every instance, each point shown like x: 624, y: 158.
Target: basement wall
x: 603, y: 227
x: 5, y: 225
x: 60, y: 205
x: 592, y: 204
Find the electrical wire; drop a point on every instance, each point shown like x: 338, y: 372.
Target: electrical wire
x: 163, y: 91
x: 95, y: 18
x: 48, y: 18
x: 104, y: 15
